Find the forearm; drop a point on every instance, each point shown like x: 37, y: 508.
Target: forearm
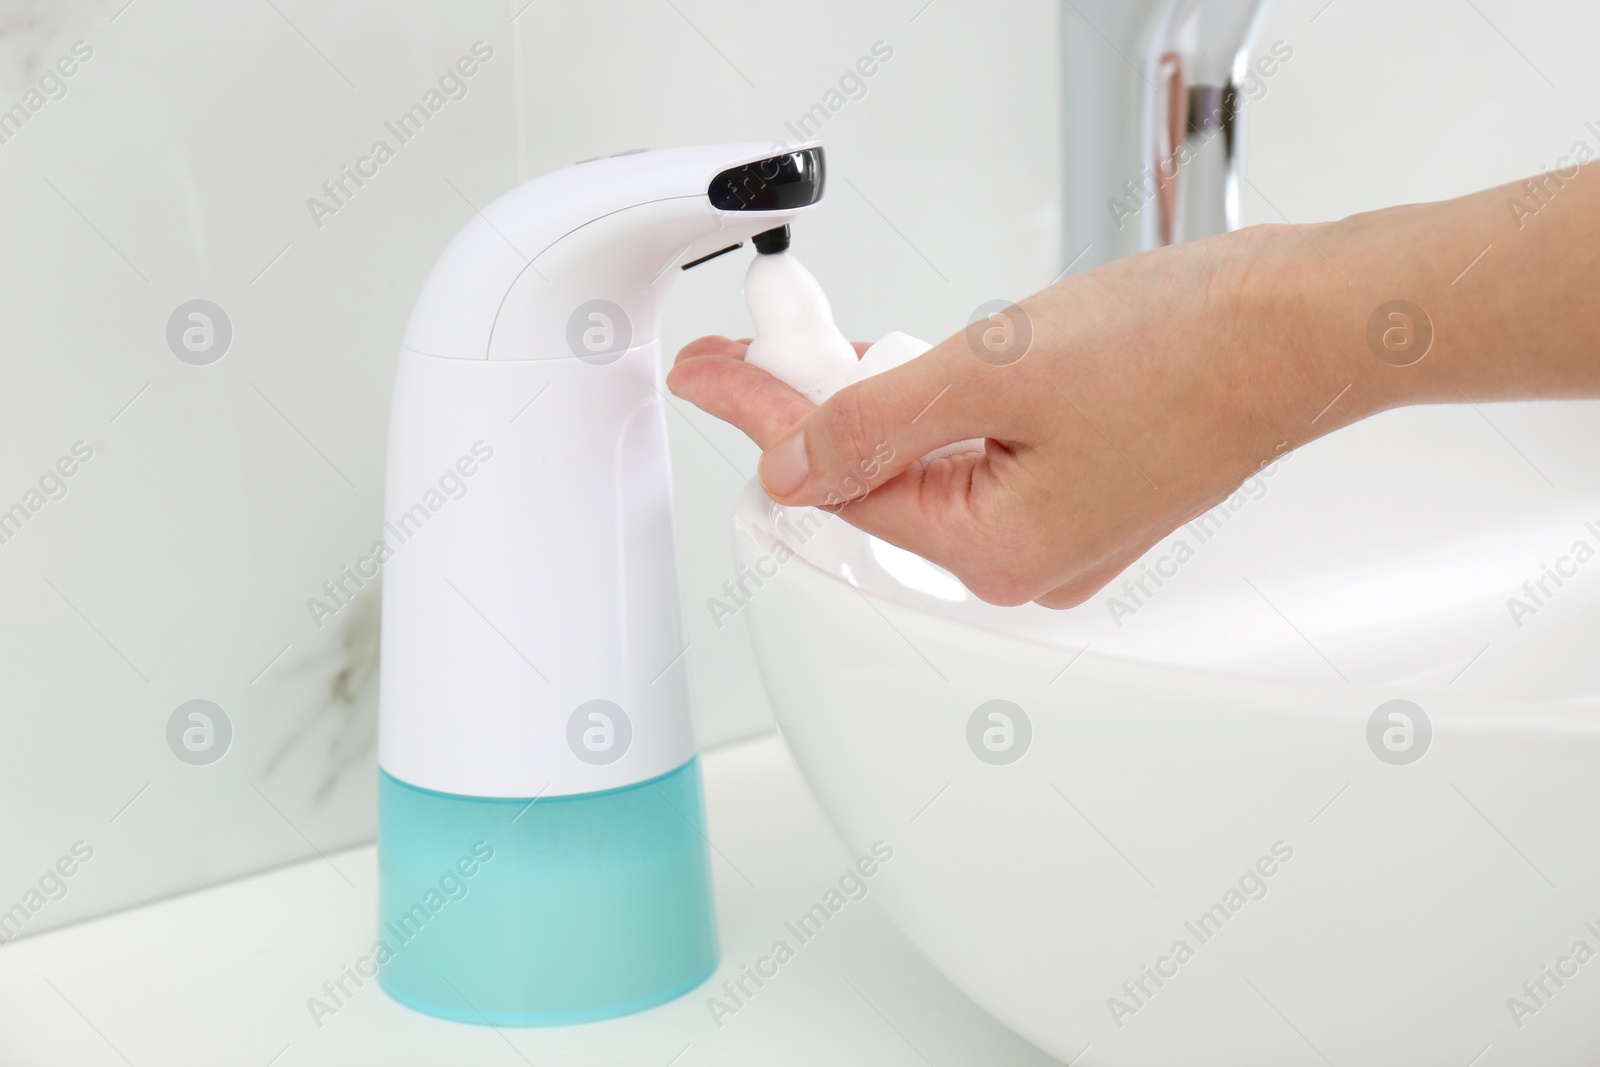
x: 1507, y: 282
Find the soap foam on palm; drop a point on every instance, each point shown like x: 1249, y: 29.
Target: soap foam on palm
x: 797, y: 342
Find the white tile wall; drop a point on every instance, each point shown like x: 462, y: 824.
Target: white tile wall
x: 219, y: 497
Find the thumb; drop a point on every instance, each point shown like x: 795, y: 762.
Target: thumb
x: 869, y: 432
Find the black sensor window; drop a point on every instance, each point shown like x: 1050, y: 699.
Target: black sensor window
x: 778, y: 183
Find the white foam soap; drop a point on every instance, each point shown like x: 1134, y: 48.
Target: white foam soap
x: 796, y: 340
x: 892, y: 349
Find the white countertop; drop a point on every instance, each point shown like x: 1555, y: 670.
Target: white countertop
x: 223, y: 976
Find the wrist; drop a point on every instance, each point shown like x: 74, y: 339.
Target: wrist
x: 1341, y: 303
x: 1303, y: 325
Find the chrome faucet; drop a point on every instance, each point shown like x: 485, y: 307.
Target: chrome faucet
x: 1161, y: 161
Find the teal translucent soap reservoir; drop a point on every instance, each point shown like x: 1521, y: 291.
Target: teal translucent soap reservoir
x: 516, y: 912
x: 542, y: 841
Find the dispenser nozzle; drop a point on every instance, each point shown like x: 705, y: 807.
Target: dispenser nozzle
x: 770, y: 242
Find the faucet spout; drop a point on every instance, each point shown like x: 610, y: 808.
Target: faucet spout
x: 1162, y: 164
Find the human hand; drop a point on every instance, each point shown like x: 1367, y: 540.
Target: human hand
x: 1149, y: 392
x: 1155, y: 385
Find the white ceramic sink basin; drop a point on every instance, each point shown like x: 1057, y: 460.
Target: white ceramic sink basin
x: 1199, y: 847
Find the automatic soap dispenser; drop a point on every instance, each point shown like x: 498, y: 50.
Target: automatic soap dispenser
x: 541, y: 842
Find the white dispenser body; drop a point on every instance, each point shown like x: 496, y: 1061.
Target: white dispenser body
x: 549, y: 583
x: 519, y: 594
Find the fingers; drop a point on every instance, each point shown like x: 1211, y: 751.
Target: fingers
x: 869, y: 432
x: 748, y: 397
x: 957, y: 509
x: 710, y: 373
x: 717, y: 345
x: 942, y: 510
x: 711, y: 346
